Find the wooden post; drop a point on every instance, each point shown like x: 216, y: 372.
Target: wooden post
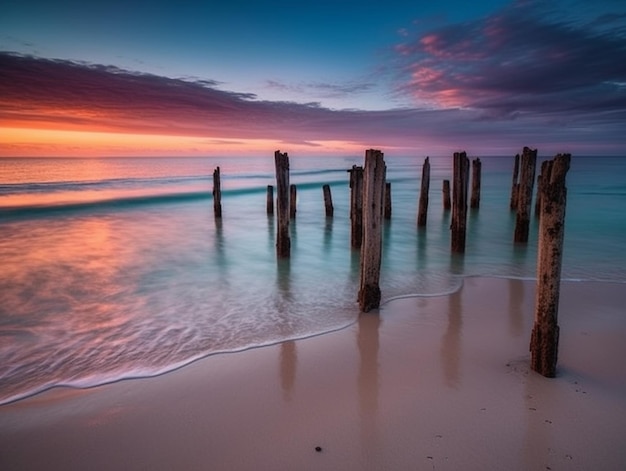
x: 371, y: 250
x: 283, y: 242
x: 544, y: 343
x: 422, y: 213
x: 387, y: 211
x: 447, y: 205
x: 476, y: 170
x: 292, y: 201
x: 217, y: 193
x: 269, y: 205
x: 538, y: 198
x: 515, y: 184
x: 328, y: 201
x: 459, y: 202
x: 528, y: 163
x: 356, y: 206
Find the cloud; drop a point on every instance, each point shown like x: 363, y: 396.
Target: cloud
x: 525, y: 58
x: 78, y: 96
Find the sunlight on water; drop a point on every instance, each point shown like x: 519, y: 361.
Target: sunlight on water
x: 135, y: 277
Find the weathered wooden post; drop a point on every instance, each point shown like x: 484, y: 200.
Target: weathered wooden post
x: 292, y: 201
x: 528, y: 163
x: 422, y: 213
x: 447, y: 205
x: 544, y: 342
x: 387, y: 210
x: 476, y: 170
x: 283, y: 242
x: 328, y: 201
x: 459, y: 202
x: 538, y: 198
x: 356, y: 206
x: 217, y: 193
x: 269, y: 205
x: 515, y: 184
x: 371, y: 250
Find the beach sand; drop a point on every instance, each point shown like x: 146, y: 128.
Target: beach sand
x: 427, y: 383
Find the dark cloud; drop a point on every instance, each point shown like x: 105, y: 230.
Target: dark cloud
x: 523, y: 59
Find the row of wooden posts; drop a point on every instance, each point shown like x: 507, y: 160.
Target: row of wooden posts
x: 370, y: 202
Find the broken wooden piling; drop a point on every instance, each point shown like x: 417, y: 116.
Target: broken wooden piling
x: 528, y: 163
x: 356, y: 206
x: 269, y: 205
x: 515, y: 184
x: 544, y: 341
x: 476, y: 171
x: 371, y: 250
x: 447, y: 205
x: 387, y: 210
x: 328, y: 201
x: 217, y: 193
x: 538, y: 197
x: 459, y: 202
x: 292, y: 201
x: 283, y: 242
x: 422, y: 213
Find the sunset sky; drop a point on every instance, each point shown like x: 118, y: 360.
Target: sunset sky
x: 246, y: 77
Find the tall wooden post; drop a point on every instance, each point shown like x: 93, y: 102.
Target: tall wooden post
x: 538, y: 198
x: 283, y: 242
x: 269, y: 205
x: 387, y: 210
x: 356, y: 206
x: 422, y: 213
x: 476, y: 170
x: 459, y: 202
x: 328, y: 201
x: 217, y: 193
x: 544, y: 342
x: 515, y: 184
x: 371, y: 250
x: 447, y: 205
x: 528, y: 163
x: 292, y: 201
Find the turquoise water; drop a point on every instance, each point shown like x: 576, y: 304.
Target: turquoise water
x: 116, y: 268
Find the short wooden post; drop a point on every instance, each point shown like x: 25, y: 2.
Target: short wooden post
x: 528, y: 163
x: 269, y: 205
x: 283, y: 242
x: 292, y: 201
x: 476, y: 170
x: 422, y: 213
x: 515, y: 184
x: 459, y: 202
x: 217, y: 193
x: 447, y: 205
x: 371, y: 250
x: 328, y: 201
x: 387, y: 211
x: 356, y: 206
x: 544, y: 343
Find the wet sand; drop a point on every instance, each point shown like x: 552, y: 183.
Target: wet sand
x: 433, y: 383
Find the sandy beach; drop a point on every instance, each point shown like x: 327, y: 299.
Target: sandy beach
x: 432, y: 383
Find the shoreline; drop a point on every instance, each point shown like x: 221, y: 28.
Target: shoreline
x: 428, y: 383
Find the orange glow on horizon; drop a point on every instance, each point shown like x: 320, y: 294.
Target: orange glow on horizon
x: 31, y: 142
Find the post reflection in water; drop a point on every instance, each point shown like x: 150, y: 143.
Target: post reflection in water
x: 451, y: 342
x: 368, y: 384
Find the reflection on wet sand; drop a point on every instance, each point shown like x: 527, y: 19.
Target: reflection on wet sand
x: 369, y: 383
x: 451, y: 341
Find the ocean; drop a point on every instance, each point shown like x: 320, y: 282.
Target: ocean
x: 116, y: 268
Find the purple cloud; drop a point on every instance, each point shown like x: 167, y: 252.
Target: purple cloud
x: 522, y: 59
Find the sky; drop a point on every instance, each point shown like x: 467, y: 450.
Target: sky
x: 330, y: 77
